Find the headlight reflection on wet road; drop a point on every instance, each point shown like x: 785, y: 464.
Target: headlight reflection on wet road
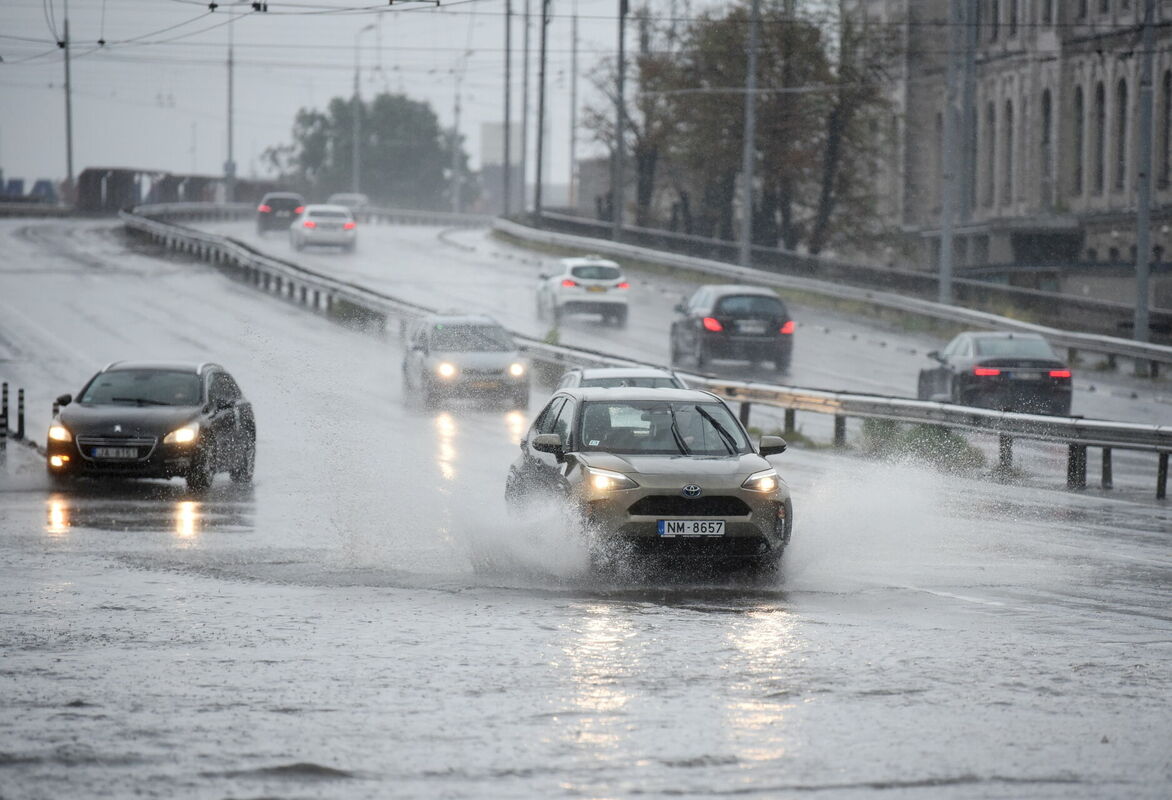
x: 764, y: 645
x: 600, y: 663
x: 445, y: 426
x: 58, y: 523
x: 187, y: 519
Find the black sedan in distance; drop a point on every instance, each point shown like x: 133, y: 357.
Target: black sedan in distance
x: 1004, y: 371
x: 731, y: 321
x: 154, y: 420
x: 277, y: 210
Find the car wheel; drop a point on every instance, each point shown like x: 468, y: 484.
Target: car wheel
x: 782, y: 363
x: 557, y: 313
x: 922, y: 388
x: 57, y: 479
x: 954, y: 393
x: 430, y: 393
x: 202, y: 472
x: 241, y: 473
x: 520, y: 399
x: 673, y: 350
x: 620, y: 317
x: 701, y: 355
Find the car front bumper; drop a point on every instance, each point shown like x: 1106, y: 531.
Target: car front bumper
x: 158, y: 460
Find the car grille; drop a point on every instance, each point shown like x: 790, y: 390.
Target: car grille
x: 144, y: 445
x: 666, y: 505
x: 483, y: 373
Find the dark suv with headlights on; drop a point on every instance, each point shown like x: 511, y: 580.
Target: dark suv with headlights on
x: 659, y: 472
x: 1003, y: 371
x: 747, y: 323
x: 277, y: 210
x: 464, y: 355
x: 154, y: 420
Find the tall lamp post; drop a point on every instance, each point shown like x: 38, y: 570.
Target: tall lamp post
x: 616, y: 190
x: 537, y: 193
x: 356, y: 127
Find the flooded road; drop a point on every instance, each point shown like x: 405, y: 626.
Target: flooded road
x: 366, y: 621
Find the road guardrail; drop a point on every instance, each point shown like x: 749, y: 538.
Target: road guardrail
x: 356, y: 304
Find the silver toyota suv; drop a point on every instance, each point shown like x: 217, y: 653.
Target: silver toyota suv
x: 657, y: 471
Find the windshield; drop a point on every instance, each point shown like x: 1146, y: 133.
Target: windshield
x: 750, y: 305
x: 1014, y: 346
x: 640, y: 382
x: 153, y: 387
x: 470, y: 339
x: 663, y: 428
x: 327, y: 214
x: 597, y: 273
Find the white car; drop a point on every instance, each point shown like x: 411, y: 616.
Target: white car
x: 589, y: 285
x: 352, y: 200
x: 324, y: 225
x: 617, y: 377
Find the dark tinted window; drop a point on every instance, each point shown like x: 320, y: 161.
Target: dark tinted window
x: 329, y: 215
x: 1015, y: 346
x: 597, y: 273
x: 750, y: 304
x: 143, y: 387
x: 704, y: 429
x: 548, y: 417
x: 470, y: 339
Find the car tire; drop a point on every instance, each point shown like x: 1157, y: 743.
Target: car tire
x: 520, y: 399
x: 673, y: 350
x: 922, y: 388
x: 620, y: 317
x: 556, y: 313
x: 429, y: 393
x: 57, y: 479
x: 242, y: 472
x: 701, y: 355
x: 202, y: 472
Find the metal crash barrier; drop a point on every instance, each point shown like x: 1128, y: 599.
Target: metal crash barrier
x: 356, y: 304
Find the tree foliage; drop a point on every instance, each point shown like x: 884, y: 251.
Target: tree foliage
x: 820, y: 95
x: 406, y: 158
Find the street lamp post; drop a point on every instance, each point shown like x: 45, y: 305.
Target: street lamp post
x: 356, y: 127
x: 616, y: 190
x: 538, y: 197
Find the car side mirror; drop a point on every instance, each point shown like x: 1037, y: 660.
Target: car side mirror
x: 64, y: 400
x: 544, y: 276
x: 548, y: 443
x: 679, y: 308
x: 934, y: 355
x: 772, y: 446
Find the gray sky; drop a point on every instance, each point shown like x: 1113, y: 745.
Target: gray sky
x: 155, y: 96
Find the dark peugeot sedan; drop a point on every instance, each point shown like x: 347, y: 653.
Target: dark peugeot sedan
x: 150, y: 420
x: 1004, y: 371
x: 277, y: 210
x: 735, y: 322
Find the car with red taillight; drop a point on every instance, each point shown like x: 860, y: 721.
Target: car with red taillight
x: 327, y: 225
x: 1007, y: 371
x: 586, y: 285
x: 730, y: 321
x: 277, y: 210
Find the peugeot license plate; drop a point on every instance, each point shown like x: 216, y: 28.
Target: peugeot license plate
x: 691, y: 527
x: 115, y: 452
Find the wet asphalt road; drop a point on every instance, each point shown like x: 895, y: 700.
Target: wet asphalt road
x: 366, y: 622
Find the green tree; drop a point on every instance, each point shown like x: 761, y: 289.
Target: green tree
x: 406, y: 158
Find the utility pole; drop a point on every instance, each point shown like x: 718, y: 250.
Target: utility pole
x: 507, y: 160
x: 1143, y: 243
x: 948, y: 171
x: 573, y: 193
x: 749, y: 146
x: 456, y: 152
x: 68, y: 114
x: 230, y: 164
x: 537, y: 198
x: 525, y: 113
x: 617, y: 176
x: 356, y: 127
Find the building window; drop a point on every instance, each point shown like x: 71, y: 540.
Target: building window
x: 1104, y: 6
x: 1078, y: 139
x: 1044, y: 150
x: 994, y: 19
x: 990, y: 153
x: 1007, y: 177
x: 1092, y: 255
x: 1082, y: 9
x: 1120, y: 134
x: 1099, y: 145
x: 1013, y: 17
x: 1047, y: 12
x: 1165, y: 129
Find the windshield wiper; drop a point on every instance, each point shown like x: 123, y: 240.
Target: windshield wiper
x: 725, y: 436
x: 675, y: 432
x: 142, y: 401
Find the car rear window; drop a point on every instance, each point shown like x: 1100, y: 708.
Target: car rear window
x: 1014, y: 347
x: 750, y: 304
x: 329, y: 215
x: 597, y: 273
x: 284, y: 202
x: 701, y: 429
x: 143, y: 387
x: 643, y: 383
x: 470, y: 339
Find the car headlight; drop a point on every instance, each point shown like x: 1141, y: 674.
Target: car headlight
x: 184, y: 435
x: 517, y: 369
x: 764, y: 481
x: 603, y: 480
x: 59, y: 433
x: 445, y: 369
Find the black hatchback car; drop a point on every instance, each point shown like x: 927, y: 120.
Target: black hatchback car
x: 1003, y: 371
x: 277, y: 210
x: 155, y: 420
x: 735, y: 322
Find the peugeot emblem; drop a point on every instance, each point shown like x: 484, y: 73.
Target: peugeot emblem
x: 117, y: 429
x: 691, y: 491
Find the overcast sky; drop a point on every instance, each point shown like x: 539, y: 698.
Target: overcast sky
x: 155, y: 96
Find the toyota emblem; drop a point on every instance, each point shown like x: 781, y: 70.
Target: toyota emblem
x: 691, y: 491
x: 117, y: 429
